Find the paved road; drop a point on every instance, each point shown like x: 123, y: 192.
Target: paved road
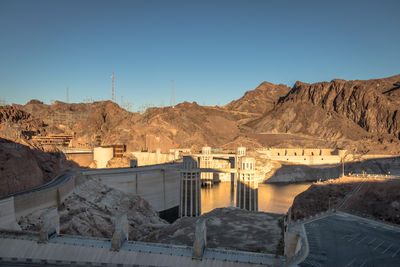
x: 342, y: 240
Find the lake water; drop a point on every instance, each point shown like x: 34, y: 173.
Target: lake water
x: 275, y: 198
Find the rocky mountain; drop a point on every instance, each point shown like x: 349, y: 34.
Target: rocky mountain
x: 362, y: 116
x: 260, y: 100
x: 372, y: 104
x: 337, y: 113
x: 337, y: 110
x: 185, y: 125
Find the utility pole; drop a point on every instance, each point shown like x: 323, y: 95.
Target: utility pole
x: 67, y: 95
x: 172, y: 101
x: 112, y: 88
x: 343, y: 167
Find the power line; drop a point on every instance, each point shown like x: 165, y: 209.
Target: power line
x: 172, y: 101
x: 67, y: 95
x: 112, y: 88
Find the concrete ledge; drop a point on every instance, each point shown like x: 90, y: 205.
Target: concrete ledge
x: 121, y: 232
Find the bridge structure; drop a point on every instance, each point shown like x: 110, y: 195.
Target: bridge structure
x: 217, y: 167
x: 206, y: 168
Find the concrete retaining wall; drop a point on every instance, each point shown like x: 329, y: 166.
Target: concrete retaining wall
x: 36, y: 200
x: 25, y: 203
x: 83, y: 159
x: 7, y: 214
x: 150, y: 158
x: 64, y: 190
x: 159, y: 186
x: 307, y: 156
x: 308, y: 160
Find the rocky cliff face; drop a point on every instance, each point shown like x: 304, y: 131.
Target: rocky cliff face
x: 372, y: 104
x: 260, y: 100
x: 338, y: 111
x: 15, y: 122
x: 23, y: 167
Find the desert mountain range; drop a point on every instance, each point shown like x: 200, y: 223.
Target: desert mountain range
x: 361, y: 116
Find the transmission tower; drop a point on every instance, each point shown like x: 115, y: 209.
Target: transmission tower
x: 67, y: 95
x: 172, y: 101
x: 112, y: 88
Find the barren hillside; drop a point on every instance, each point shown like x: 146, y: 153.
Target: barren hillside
x: 260, y: 100
x: 361, y: 116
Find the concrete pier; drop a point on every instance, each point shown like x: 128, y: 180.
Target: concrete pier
x: 190, y: 198
x: 121, y: 232
x: 200, y: 239
x: 51, y: 224
x: 247, y: 185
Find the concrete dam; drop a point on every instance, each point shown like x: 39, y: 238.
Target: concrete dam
x: 158, y: 184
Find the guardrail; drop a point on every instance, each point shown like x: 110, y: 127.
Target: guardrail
x: 379, y: 176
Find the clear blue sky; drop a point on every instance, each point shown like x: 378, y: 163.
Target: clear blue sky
x: 213, y: 50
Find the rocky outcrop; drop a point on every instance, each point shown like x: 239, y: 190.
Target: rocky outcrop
x: 371, y: 104
x: 260, y: 100
x: 340, y: 112
x: 376, y: 198
x: 23, y: 167
x: 91, y: 209
x: 16, y: 123
x: 320, y: 197
x: 242, y: 230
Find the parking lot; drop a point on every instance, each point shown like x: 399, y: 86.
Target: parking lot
x: 344, y: 240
